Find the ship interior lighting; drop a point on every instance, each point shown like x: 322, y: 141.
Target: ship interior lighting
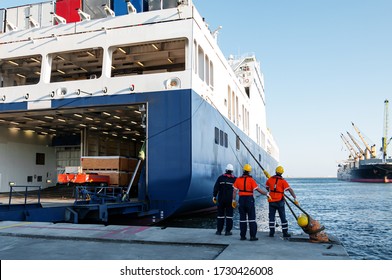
x: 60, y: 71
x: 90, y: 54
x: 122, y: 50
x: 37, y: 73
x: 11, y: 184
x: 35, y: 60
x: 62, y: 58
x: 117, y: 122
x: 155, y: 47
x: 20, y: 75
x: 141, y: 64
x: 13, y: 63
x: 171, y: 61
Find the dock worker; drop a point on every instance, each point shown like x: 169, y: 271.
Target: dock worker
x: 245, y: 186
x: 276, y: 186
x: 223, y: 189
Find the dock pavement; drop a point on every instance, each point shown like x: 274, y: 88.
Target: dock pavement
x: 65, y: 241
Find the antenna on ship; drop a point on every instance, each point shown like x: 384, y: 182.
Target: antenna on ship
x: 216, y: 32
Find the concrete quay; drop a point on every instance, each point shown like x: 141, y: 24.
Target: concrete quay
x: 64, y: 241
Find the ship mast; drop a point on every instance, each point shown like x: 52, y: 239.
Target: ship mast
x: 385, y: 136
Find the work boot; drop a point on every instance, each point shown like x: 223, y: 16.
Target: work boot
x: 286, y: 234
x: 228, y: 233
x: 253, y: 238
x: 218, y: 233
x: 271, y: 233
x: 243, y: 238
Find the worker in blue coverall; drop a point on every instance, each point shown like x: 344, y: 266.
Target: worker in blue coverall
x: 223, y: 189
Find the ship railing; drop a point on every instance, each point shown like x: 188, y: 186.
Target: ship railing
x: 27, y: 190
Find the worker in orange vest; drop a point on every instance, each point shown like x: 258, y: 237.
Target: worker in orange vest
x: 245, y: 186
x: 276, y: 187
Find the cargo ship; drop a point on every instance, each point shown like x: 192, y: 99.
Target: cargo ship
x: 87, y: 86
x: 363, y: 164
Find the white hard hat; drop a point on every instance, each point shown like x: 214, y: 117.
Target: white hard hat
x: 229, y: 167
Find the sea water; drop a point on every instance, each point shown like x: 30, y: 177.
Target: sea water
x: 359, y: 214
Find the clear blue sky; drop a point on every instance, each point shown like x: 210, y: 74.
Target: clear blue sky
x: 326, y: 63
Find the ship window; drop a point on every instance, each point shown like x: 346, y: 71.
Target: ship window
x: 76, y: 65
x: 29, y: 179
x: 216, y: 135
x: 200, y: 59
x: 195, y: 57
x: 147, y: 58
x: 238, y: 143
x: 207, y: 63
x: 211, y: 75
x: 221, y: 138
x: 20, y: 71
x: 226, y: 140
x: 40, y: 159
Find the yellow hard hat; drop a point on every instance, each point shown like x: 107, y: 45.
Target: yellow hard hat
x: 279, y: 170
x: 247, y: 168
x: 302, y: 220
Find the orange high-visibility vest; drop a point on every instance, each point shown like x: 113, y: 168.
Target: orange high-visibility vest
x: 276, y: 186
x: 246, y: 185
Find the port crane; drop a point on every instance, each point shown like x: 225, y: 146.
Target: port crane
x: 349, y: 146
x: 361, y: 153
x: 369, y: 150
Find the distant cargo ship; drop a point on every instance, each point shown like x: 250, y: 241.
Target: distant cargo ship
x: 90, y: 79
x: 363, y: 166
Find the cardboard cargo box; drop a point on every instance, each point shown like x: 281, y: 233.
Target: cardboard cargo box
x: 117, y: 178
x: 105, y: 163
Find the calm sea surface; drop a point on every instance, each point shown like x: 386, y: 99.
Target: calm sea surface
x: 359, y: 214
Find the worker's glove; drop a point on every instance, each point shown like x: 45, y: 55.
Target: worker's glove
x: 234, y: 204
x: 268, y: 197
x: 266, y: 174
x: 296, y: 202
x: 214, y: 200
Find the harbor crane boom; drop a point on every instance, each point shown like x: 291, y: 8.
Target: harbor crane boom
x: 361, y: 152
x: 348, y: 145
x: 372, y: 149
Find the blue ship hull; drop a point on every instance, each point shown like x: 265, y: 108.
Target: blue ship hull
x: 183, y: 159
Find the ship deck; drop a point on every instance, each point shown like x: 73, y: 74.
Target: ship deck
x: 98, y: 242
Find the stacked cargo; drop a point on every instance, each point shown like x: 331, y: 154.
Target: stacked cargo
x: 41, y: 14
x: 28, y: 16
x: 2, y: 20
x: 118, y: 169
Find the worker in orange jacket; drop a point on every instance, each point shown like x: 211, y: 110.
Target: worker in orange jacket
x: 276, y: 186
x: 245, y: 186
